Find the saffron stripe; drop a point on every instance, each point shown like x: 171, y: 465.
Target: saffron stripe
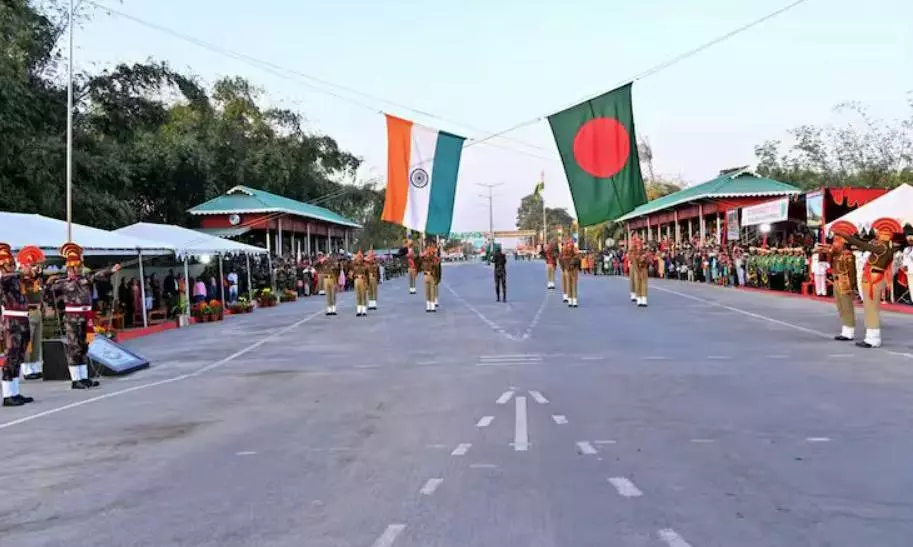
x: 399, y: 144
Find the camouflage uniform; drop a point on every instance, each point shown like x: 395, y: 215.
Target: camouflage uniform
x: 15, y: 316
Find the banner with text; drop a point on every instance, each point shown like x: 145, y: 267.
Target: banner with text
x: 732, y: 225
x: 766, y: 213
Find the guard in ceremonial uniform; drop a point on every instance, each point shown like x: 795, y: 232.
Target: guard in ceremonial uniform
x: 76, y: 289
x: 551, y: 260
x: 843, y: 265
x: 413, y: 267
x: 572, y: 264
x: 438, y: 272
x: 430, y: 262
x: 562, y: 264
x: 29, y: 259
x: 358, y: 270
x: 373, y: 279
x: 15, y: 313
x: 876, y: 273
x: 644, y: 258
x: 633, y: 257
x: 328, y: 270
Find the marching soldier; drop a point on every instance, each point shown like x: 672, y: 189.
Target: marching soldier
x: 843, y: 264
x: 15, y: 313
x: 76, y: 289
x: 358, y: 271
x: 562, y: 264
x: 430, y: 262
x: 413, y: 267
x: 881, y: 256
x: 438, y: 271
x: 551, y: 258
x: 373, y: 279
x: 572, y: 265
x: 29, y: 259
x: 633, y: 257
x: 328, y: 269
x: 644, y: 258
x: 321, y: 278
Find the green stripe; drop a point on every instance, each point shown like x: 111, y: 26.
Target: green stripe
x: 443, y: 183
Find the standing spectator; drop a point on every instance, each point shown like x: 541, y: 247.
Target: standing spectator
x: 170, y: 291
x: 232, y: 286
x: 156, y: 287
x: 137, y: 300
x: 125, y: 298
x: 199, y: 291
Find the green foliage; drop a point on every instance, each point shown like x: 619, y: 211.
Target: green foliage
x: 865, y: 152
x: 529, y: 215
x: 149, y: 142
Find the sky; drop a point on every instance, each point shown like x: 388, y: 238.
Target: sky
x: 475, y: 67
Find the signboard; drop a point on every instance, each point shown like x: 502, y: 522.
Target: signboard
x: 114, y: 358
x: 814, y: 208
x: 732, y: 225
x: 766, y: 213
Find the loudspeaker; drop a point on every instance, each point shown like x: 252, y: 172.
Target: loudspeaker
x: 54, y: 353
x: 113, y: 359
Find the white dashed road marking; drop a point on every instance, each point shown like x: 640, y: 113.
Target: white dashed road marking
x: 485, y: 421
x: 560, y: 419
x: 586, y: 448
x: 538, y: 397
x: 431, y: 486
x: 655, y: 358
x: 521, y: 433
x: 245, y: 453
x: 672, y: 538
x: 607, y: 441
x: 718, y: 357
x: 818, y: 439
x: 702, y: 441
x: 840, y: 355
x: 625, y: 487
x: 482, y: 466
x: 389, y: 536
x: 502, y: 400
x: 461, y: 449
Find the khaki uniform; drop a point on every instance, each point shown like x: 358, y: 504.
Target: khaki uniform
x: 874, y: 279
x: 551, y: 253
x: 571, y: 271
x: 562, y: 263
x: 373, y: 281
x: 413, y: 269
x: 429, y: 267
x: 633, y: 274
x: 644, y: 258
x: 328, y: 270
x: 843, y: 265
x: 359, y: 273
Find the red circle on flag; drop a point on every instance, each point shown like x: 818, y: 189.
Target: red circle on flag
x: 602, y: 146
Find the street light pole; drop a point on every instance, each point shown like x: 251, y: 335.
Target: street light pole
x: 491, y: 213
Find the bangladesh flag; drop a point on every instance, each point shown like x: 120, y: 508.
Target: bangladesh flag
x: 599, y: 151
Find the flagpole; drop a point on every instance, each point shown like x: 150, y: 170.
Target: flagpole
x: 544, y: 215
x: 70, y: 127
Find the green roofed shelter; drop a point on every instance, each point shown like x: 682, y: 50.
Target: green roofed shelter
x: 283, y: 225
x: 706, y: 208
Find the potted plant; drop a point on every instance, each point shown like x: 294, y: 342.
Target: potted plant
x: 215, y: 310
x: 267, y: 298
x: 179, y: 311
x: 288, y: 296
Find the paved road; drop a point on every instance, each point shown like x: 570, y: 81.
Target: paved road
x: 712, y: 418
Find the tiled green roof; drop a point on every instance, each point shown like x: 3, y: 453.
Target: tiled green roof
x: 732, y: 185
x: 242, y: 199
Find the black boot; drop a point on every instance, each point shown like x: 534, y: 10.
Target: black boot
x: 12, y: 401
x: 88, y: 382
x: 78, y: 385
x: 24, y: 399
x: 35, y: 376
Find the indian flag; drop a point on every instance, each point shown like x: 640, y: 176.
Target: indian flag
x: 422, y: 168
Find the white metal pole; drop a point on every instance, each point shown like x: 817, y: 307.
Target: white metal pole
x: 70, y: 129
x: 309, y: 239
x: 221, y: 281
x: 142, y: 289
x: 279, y: 239
x: 250, y: 288
x: 187, y: 283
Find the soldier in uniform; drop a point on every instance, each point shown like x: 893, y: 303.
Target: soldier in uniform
x: 843, y: 264
x: 328, y: 270
x: 413, y: 267
x: 438, y: 271
x: 29, y: 260
x: 500, y: 263
x: 551, y: 258
x: 358, y: 271
x: 881, y: 256
x: 633, y: 255
x: 373, y: 279
x: 430, y: 263
x: 76, y: 289
x: 572, y: 265
x: 562, y: 264
x: 15, y: 313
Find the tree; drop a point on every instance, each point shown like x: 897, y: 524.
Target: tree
x: 529, y: 215
x: 865, y: 152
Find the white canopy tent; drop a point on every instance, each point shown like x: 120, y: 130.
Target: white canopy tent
x: 896, y: 204
x: 191, y: 243
x: 21, y: 229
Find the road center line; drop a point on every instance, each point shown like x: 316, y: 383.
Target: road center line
x: 485, y: 421
x: 502, y: 400
x: 702, y: 441
x: 538, y: 397
x: 586, y: 448
x: 178, y: 378
x: 430, y: 486
x: 607, y: 441
x: 818, y: 439
x: 521, y: 433
x: 672, y: 538
x: 389, y: 536
x: 482, y: 466
x: 461, y: 449
x: 625, y: 487
x: 560, y: 419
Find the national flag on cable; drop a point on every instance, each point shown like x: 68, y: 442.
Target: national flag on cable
x: 598, y: 148
x: 422, y: 168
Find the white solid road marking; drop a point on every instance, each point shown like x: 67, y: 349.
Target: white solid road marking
x: 655, y: 358
x: 485, y: 421
x: 366, y: 366
x: 389, y: 536
x: 178, y: 378
x: 245, y: 453
x: 586, y: 448
x: 718, y: 357
x: 672, y: 538
x: 482, y: 466
x: 512, y: 356
x: 625, y: 487
x: 607, y: 441
x: 538, y: 397
x: 592, y: 358
x: 461, y: 449
x: 838, y: 355
x: 818, y: 439
x: 431, y: 486
x: 502, y: 400
x: 521, y: 433
x: 560, y: 419
x: 777, y: 356
x: 436, y: 446
x: 702, y: 441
